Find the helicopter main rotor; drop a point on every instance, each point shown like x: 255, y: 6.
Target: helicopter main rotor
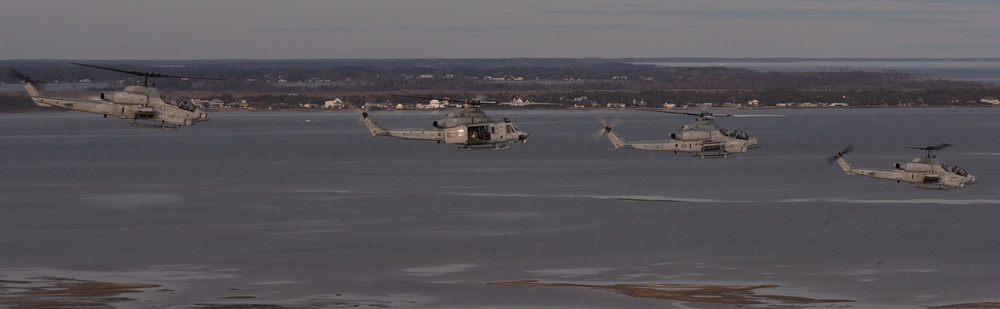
x: 930, y: 149
x: 703, y: 114
x: 473, y: 102
x: 145, y: 75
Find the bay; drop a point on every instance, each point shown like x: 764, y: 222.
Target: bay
x: 301, y: 209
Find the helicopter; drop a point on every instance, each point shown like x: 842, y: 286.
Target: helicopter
x: 703, y: 138
x: 469, y: 127
x: 136, y: 102
x: 927, y: 170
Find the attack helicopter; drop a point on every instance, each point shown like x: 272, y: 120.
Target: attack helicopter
x: 144, y: 105
x: 469, y: 127
x: 927, y: 170
x: 703, y: 138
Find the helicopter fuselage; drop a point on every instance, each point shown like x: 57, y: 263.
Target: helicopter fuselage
x: 463, y: 130
x: 919, y: 171
x: 700, y: 137
x: 134, y: 103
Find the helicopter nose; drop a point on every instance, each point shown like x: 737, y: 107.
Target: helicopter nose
x: 523, y: 138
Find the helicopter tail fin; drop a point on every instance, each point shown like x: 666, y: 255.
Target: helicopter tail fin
x: 373, y: 126
x: 839, y: 158
x: 844, y: 165
x: 34, y: 88
x: 616, y: 140
x: 36, y: 93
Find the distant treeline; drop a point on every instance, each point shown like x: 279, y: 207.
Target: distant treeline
x: 267, y: 83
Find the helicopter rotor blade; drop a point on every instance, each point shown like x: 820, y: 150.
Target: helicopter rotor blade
x: 22, y: 77
x: 104, y: 68
x: 476, y: 101
x: 941, y: 146
x: 935, y: 147
x: 449, y: 100
x: 849, y: 149
x: 18, y: 75
x: 703, y: 114
x: 671, y: 112
x: 930, y: 149
x: 604, y: 121
x: 415, y: 97
x: 144, y: 74
x: 606, y: 126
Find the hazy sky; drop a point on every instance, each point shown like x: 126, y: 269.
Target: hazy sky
x: 289, y: 29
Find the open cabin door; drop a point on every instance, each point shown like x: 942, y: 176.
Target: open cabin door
x: 480, y: 134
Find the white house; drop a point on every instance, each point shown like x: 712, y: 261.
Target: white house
x: 335, y: 103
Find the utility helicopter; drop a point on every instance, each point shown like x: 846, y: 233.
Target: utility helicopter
x: 921, y: 171
x: 469, y: 127
x: 136, y: 102
x: 703, y: 138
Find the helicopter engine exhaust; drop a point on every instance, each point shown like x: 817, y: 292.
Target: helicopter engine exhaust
x: 913, y: 167
x: 690, y: 135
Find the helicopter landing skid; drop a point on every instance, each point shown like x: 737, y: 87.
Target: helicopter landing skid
x: 152, y: 126
x: 497, y: 147
x: 721, y: 155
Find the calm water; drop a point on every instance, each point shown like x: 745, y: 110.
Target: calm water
x: 294, y: 208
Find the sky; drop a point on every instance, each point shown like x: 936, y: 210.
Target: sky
x: 322, y: 29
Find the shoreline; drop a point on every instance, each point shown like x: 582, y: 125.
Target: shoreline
x: 52, y: 288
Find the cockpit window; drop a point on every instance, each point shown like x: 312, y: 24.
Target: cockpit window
x: 183, y: 103
x: 735, y: 133
x: 739, y: 134
x: 955, y: 169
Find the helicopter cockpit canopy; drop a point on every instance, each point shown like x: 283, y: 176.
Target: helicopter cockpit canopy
x: 735, y: 133
x: 183, y: 103
x: 955, y: 169
x: 511, y: 128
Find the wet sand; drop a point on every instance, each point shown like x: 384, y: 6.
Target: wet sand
x: 696, y: 293
x: 55, y: 292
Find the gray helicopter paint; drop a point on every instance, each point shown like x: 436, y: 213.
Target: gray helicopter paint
x: 468, y: 127
x: 701, y: 137
x: 919, y: 171
x: 136, y: 103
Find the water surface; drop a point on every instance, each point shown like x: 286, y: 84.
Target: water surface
x: 294, y: 208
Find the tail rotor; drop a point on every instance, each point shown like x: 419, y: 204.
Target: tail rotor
x: 606, y: 126
x: 849, y: 149
x: 25, y: 78
x: 361, y: 120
